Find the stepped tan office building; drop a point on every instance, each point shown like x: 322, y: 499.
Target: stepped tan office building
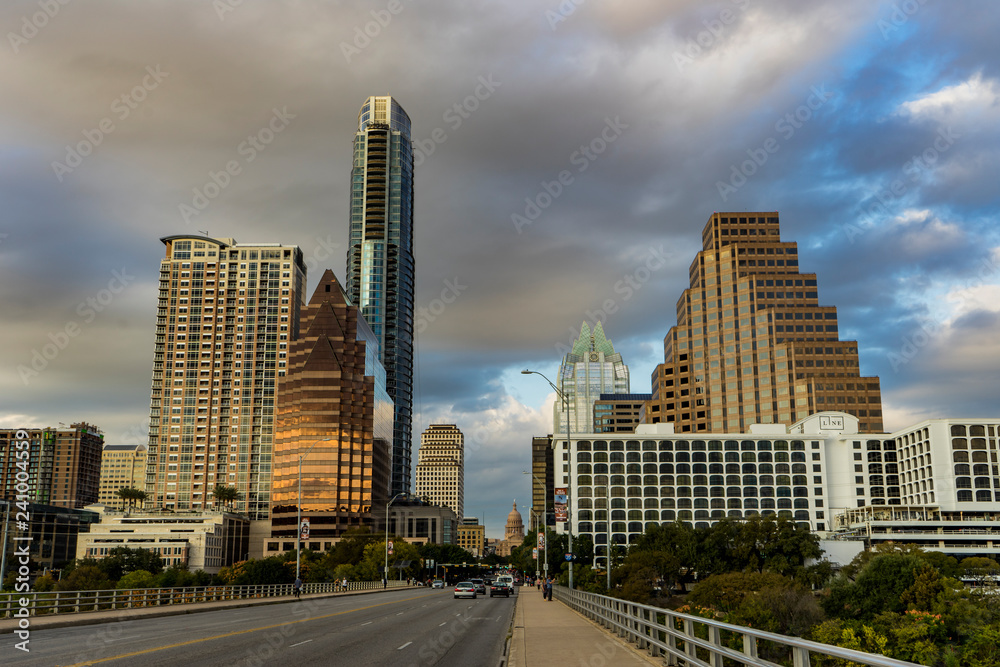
x: 812, y: 471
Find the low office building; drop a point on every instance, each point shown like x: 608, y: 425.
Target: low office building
x: 472, y: 536
x: 419, y: 522
x: 810, y: 472
x: 52, y: 533
x: 200, y: 540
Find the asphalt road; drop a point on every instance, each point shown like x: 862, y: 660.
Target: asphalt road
x: 407, y: 627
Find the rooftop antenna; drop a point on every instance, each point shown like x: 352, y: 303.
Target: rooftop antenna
x: 203, y: 232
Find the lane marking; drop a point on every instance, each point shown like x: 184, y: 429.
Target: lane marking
x: 368, y: 623
x: 404, y: 646
x: 233, y: 634
x: 445, y: 623
x: 300, y: 643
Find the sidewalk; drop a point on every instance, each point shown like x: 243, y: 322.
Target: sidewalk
x: 550, y: 633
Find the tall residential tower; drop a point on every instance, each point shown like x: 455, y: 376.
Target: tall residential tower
x: 380, y: 271
x: 752, y: 343
x: 225, y: 316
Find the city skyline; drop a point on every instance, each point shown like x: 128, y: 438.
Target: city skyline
x: 565, y: 165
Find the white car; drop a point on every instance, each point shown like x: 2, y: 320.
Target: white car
x: 465, y: 589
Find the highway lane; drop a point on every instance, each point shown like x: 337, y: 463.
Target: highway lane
x: 405, y: 627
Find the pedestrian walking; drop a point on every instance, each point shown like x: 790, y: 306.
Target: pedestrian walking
x: 548, y: 589
x: 297, y: 587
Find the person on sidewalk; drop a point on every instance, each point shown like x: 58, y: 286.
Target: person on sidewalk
x: 297, y: 587
x: 548, y: 589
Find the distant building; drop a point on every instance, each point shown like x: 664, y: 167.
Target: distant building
x: 64, y: 464
x: 752, y: 343
x: 199, y: 540
x: 589, y: 369
x: 380, y: 264
x: 225, y: 315
x: 541, y: 482
x: 618, y: 413
x: 513, y: 535
x: 333, y: 414
x: 440, y: 471
x: 122, y: 466
x: 419, y: 522
x: 472, y: 536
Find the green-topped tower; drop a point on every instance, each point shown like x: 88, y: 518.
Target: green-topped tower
x: 589, y: 369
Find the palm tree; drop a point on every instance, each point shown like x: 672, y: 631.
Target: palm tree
x: 225, y: 495
x: 124, y: 493
x: 140, y: 497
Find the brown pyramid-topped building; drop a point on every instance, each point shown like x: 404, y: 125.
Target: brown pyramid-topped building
x: 752, y: 343
x: 333, y: 412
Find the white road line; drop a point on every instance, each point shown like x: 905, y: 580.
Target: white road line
x: 300, y: 643
x: 445, y: 623
x: 399, y: 614
x: 368, y: 623
x: 404, y: 646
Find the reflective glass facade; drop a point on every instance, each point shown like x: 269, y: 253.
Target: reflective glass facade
x: 380, y: 275
x: 590, y: 369
x: 335, y: 415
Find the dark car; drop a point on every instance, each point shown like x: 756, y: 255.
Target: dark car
x: 480, y: 586
x: 500, y: 587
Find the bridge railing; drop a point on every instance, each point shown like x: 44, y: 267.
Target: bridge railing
x: 693, y: 641
x: 71, y: 602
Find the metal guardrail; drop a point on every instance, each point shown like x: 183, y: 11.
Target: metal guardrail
x: 71, y: 602
x: 693, y: 641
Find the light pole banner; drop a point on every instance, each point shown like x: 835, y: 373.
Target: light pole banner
x: 390, y: 547
x: 534, y: 554
x: 559, y: 499
x: 541, y: 540
x: 304, y: 529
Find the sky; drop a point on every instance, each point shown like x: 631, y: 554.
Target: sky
x: 568, y: 155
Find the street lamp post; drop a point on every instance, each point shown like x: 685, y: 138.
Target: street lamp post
x: 391, y: 501
x: 298, y: 520
x: 544, y: 528
x: 538, y: 552
x: 569, y: 486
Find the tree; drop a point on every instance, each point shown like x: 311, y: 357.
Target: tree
x: 225, y: 495
x: 85, y: 578
x: 136, y: 579
x: 122, y: 560
x: 879, y: 587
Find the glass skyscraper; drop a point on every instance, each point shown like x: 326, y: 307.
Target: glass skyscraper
x: 380, y: 271
x: 590, y: 369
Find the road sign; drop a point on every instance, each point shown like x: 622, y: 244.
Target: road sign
x: 569, y: 556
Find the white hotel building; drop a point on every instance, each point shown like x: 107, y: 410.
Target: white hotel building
x: 935, y: 483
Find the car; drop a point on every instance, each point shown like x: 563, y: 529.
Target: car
x: 465, y: 589
x: 437, y: 583
x: 480, y: 586
x: 500, y: 587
